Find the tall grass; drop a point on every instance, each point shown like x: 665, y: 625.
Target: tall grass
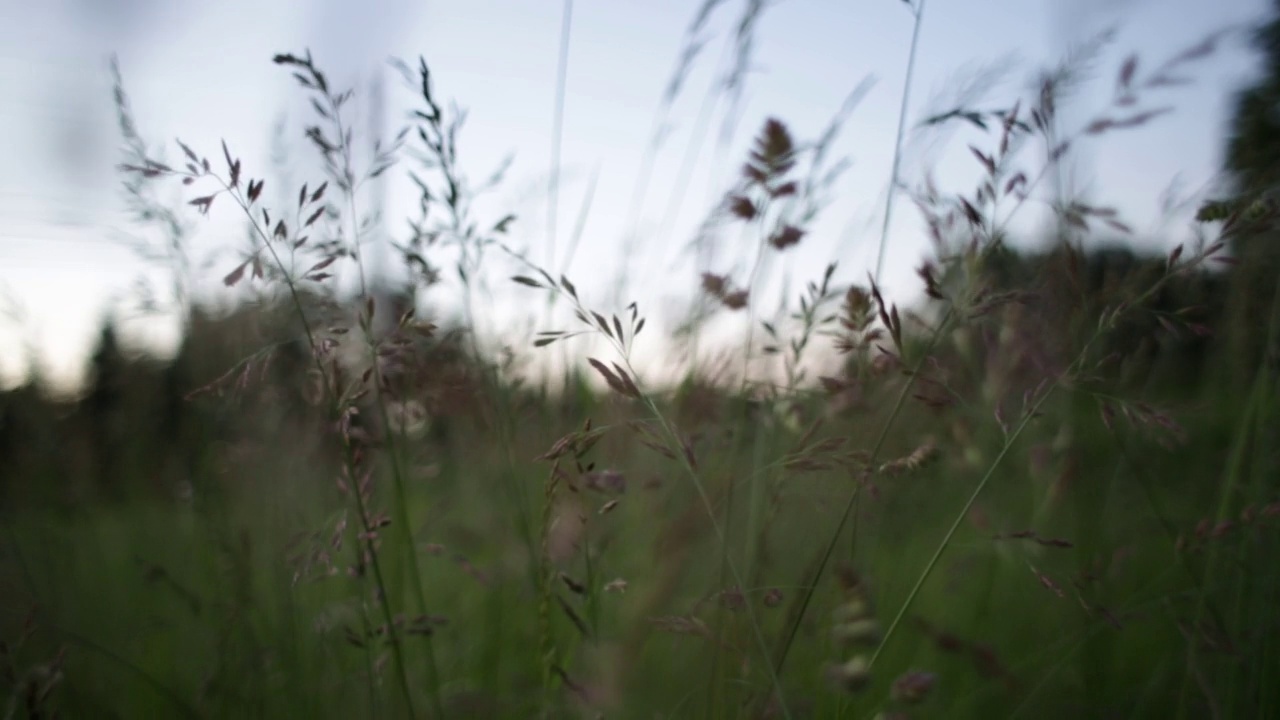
x: 1010, y: 500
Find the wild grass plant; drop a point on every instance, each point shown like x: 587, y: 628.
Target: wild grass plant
x: 1033, y: 494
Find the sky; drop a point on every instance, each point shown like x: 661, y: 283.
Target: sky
x: 202, y: 72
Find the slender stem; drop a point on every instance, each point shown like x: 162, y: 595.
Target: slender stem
x: 1249, y: 422
x: 850, y: 506
x: 752, y: 281
x: 331, y: 393
x: 902, y: 126
x: 955, y: 524
x: 397, y: 470
x: 674, y: 439
x: 677, y: 447
x: 1010, y: 439
x: 557, y: 132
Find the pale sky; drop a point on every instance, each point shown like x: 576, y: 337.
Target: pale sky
x: 201, y: 71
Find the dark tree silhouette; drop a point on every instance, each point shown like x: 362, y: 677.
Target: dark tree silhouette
x: 1252, y: 158
x: 104, y: 404
x: 1253, y: 143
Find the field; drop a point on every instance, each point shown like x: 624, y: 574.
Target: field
x: 1047, y: 490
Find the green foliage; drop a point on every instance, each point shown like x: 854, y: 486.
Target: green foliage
x: 1048, y: 492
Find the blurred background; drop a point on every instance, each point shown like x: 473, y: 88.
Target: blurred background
x: 201, y: 72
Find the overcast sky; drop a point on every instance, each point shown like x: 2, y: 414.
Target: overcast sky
x: 202, y: 72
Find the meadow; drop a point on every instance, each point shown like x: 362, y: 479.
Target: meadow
x: 1047, y: 490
